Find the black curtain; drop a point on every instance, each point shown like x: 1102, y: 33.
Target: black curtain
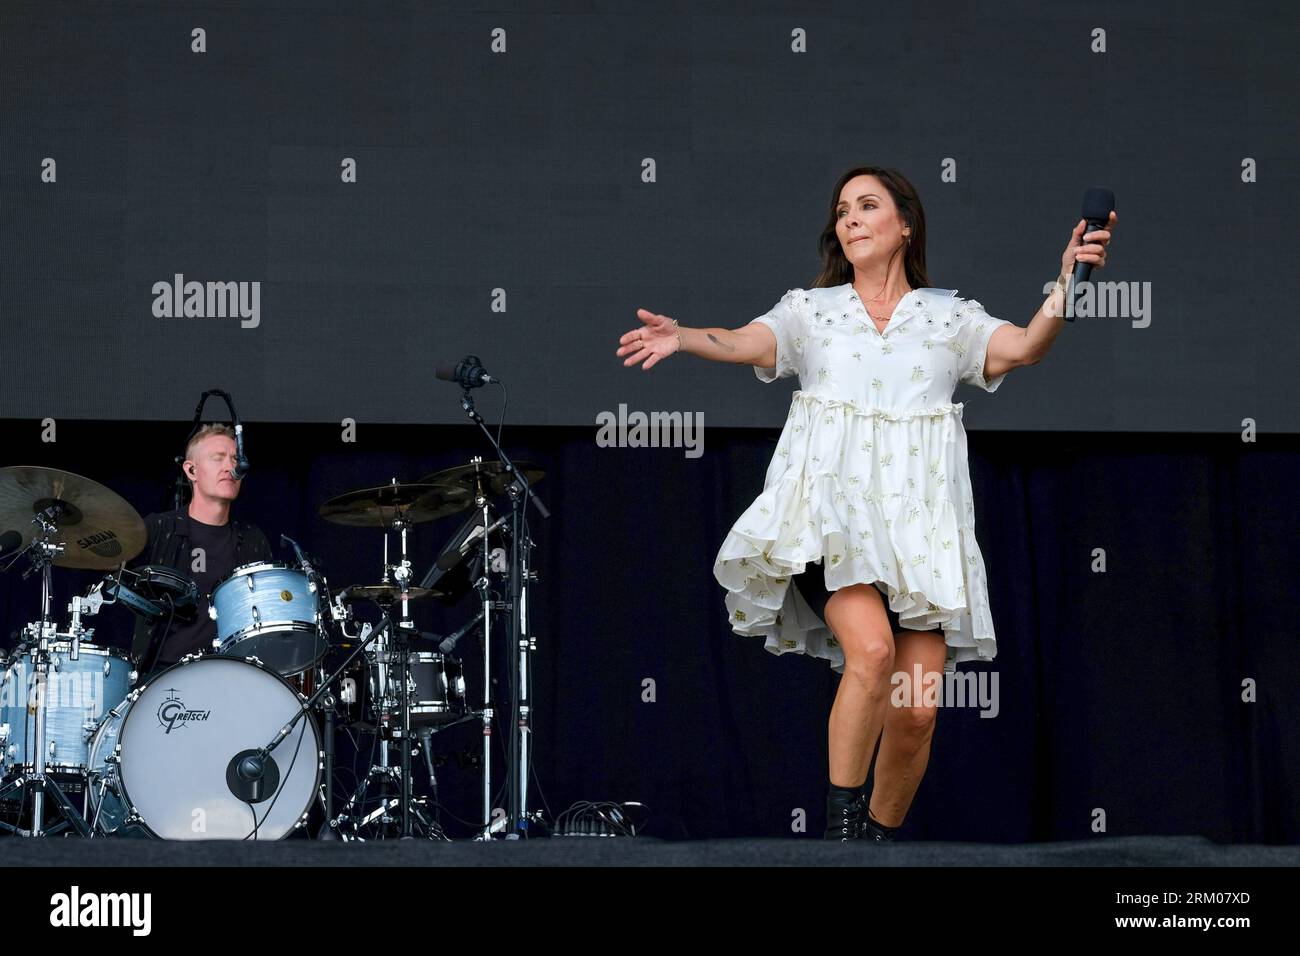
x: 1119, y: 693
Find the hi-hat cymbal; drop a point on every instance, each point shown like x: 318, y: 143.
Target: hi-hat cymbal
x: 380, y: 507
x: 383, y: 593
x: 494, y: 475
x: 97, y: 527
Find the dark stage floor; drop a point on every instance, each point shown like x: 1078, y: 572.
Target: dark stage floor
x: 1104, y: 851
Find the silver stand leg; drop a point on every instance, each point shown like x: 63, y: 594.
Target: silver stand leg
x: 525, y: 648
x: 482, y: 585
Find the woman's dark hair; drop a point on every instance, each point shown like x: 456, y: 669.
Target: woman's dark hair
x: 837, y: 270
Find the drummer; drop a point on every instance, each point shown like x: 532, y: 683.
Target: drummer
x: 201, y: 541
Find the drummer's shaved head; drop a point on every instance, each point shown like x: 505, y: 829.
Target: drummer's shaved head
x: 204, y: 432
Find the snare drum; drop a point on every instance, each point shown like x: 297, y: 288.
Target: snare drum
x: 78, y: 693
x: 271, y: 612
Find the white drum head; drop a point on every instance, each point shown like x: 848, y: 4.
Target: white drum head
x: 179, y: 738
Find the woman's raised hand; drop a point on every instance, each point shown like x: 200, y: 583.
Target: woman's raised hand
x: 1088, y: 246
x: 655, y: 340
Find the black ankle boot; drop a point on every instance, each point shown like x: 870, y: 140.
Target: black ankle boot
x: 873, y: 830
x: 844, y: 809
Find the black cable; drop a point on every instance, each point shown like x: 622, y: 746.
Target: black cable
x: 356, y: 773
x: 167, y: 632
x: 284, y: 781
x: 339, y: 768
x: 505, y: 402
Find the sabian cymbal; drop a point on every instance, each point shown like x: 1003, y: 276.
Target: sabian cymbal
x: 383, y: 593
x: 97, y: 527
x: 379, y: 507
x: 493, y: 474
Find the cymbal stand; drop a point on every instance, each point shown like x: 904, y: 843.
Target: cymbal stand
x: 393, y: 648
x: 401, y: 636
x: 481, y: 584
x: 39, y: 635
x: 521, y: 639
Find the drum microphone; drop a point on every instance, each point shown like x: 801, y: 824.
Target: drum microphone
x: 449, y: 645
x: 1098, y: 203
x: 252, y: 776
x: 469, y: 373
x: 306, y: 565
x: 241, y: 460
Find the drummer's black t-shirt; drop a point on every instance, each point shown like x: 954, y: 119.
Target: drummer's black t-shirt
x: 218, y: 544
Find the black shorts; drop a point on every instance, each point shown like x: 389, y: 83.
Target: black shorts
x: 812, y: 585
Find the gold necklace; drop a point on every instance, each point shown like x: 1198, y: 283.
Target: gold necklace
x: 885, y: 318
x: 888, y: 317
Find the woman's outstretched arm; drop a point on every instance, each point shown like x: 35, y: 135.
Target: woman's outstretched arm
x: 660, y: 336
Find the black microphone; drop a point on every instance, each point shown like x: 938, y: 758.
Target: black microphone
x: 469, y: 373
x: 252, y: 776
x: 306, y: 565
x: 1098, y: 203
x: 453, y: 556
x: 241, y: 460
x: 449, y: 645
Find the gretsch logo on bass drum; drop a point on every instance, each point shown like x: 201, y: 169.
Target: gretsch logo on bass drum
x: 172, y: 713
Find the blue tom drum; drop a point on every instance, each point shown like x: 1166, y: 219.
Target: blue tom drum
x: 271, y: 612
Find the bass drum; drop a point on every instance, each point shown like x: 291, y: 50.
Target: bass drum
x: 162, y: 763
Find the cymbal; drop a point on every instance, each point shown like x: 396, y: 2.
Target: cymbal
x: 383, y: 593
x: 495, y: 477
x: 98, y: 527
x: 379, y: 507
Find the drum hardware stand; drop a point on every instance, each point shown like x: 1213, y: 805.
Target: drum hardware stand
x: 401, y: 650
x: 395, y: 649
x: 481, y: 585
x: 481, y: 575
x: 44, y: 553
x: 521, y: 640
x: 391, y: 650
x: 401, y: 637
x: 403, y: 684
x: 383, y: 772
x: 327, y: 832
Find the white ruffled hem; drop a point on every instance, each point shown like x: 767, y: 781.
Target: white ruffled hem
x: 757, y: 569
x: 939, y: 587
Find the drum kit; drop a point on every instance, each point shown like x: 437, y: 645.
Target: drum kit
x: 238, y: 743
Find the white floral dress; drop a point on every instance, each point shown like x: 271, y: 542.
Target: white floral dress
x: 870, y: 474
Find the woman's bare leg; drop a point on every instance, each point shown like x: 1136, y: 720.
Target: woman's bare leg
x: 905, y: 746
x: 856, y: 616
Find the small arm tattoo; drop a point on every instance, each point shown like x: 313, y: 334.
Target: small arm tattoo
x: 714, y: 339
